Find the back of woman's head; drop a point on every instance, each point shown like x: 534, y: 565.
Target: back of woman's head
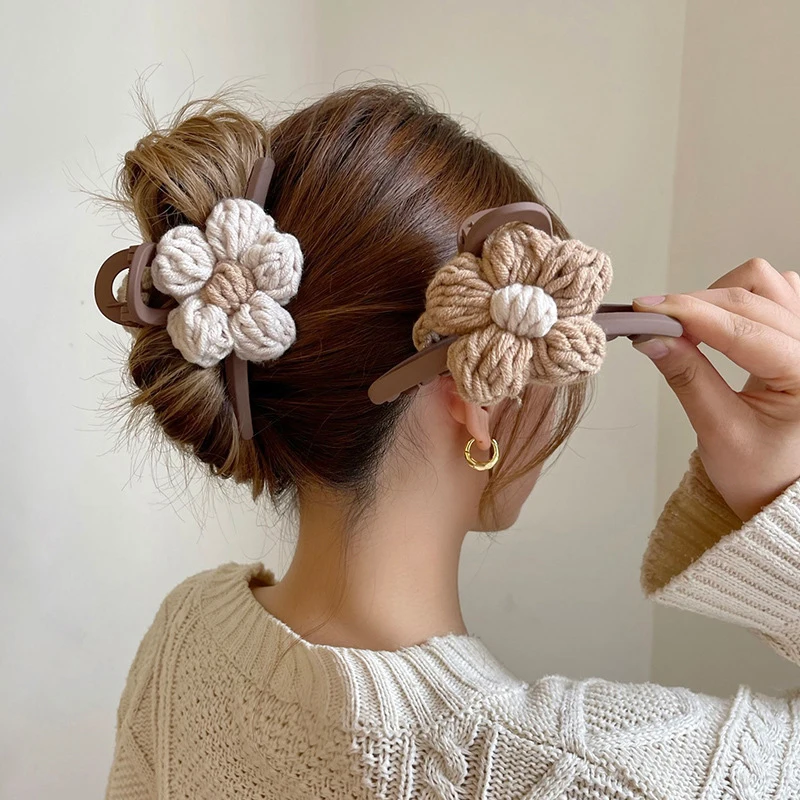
x: 374, y: 183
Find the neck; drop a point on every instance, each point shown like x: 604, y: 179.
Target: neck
x: 387, y: 582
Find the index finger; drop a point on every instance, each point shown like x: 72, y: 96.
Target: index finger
x: 761, y: 278
x: 758, y: 348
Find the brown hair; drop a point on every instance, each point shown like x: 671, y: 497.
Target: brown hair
x: 374, y: 183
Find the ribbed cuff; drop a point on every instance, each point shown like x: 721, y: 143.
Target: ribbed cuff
x: 750, y: 577
x: 694, y: 519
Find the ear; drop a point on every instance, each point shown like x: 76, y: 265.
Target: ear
x: 473, y: 417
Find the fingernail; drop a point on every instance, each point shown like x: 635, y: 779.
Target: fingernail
x: 650, y: 300
x: 652, y: 348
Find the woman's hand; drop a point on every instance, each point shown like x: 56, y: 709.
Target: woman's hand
x: 749, y: 441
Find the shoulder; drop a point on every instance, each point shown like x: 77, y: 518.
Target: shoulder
x: 225, y: 578
x: 666, y: 741
x: 185, y: 599
x: 611, y: 720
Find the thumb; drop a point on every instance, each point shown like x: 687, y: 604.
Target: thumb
x: 705, y: 396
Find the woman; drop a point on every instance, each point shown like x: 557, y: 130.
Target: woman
x: 354, y: 675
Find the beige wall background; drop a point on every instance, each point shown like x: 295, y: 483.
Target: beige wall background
x: 662, y: 131
x: 736, y: 195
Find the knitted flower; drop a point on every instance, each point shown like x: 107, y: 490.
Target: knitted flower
x: 523, y: 312
x: 231, y: 282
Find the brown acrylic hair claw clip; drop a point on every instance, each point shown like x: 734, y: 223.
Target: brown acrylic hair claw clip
x: 135, y: 313
x: 430, y: 362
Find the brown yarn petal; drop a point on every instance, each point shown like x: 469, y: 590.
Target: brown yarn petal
x: 457, y: 301
x: 581, y: 277
x: 573, y: 350
x: 490, y: 365
x: 514, y: 253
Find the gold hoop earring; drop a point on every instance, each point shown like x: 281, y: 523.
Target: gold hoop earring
x: 482, y: 465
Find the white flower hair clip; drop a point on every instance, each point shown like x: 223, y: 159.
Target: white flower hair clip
x: 231, y: 283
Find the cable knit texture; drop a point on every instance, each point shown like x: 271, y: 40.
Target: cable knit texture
x: 231, y: 284
x: 225, y: 701
x: 523, y: 312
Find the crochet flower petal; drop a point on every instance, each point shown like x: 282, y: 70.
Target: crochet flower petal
x: 200, y: 331
x: 514, y: 253
x: 457, y: 302
x: 581, y: 277
x: 234, y: 225
x: 490, y: 365
x: 262, y: 330
x: 276, y: 262
x: 573, y: 350
x: 183, y: 262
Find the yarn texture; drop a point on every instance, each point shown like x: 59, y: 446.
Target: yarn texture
x: 523, y: 312
x: 225, y: 701
x: 231, y: 283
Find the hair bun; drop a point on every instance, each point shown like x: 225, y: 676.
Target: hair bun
x: 172, y: 180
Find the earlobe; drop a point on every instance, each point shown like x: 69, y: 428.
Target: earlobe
x: 477, y: 423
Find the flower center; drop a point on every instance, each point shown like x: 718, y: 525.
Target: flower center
x: 229, y: 286
x: 523, y: 310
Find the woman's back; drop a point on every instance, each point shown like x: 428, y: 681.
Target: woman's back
x: 224, y: 700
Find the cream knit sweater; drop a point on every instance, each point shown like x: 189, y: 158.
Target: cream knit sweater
x: 224, y: 701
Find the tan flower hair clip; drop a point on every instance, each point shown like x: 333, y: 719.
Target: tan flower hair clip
x: 522, y: 312
x: 515, y: 306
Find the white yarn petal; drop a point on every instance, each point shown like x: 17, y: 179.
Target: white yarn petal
x: 261, y: 329
x: 234, y: 225
x: 277, y: 265
x: 184, y: 262
x: 200, y: 331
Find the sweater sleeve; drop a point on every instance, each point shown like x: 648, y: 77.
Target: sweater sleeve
x: 701, y: 558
